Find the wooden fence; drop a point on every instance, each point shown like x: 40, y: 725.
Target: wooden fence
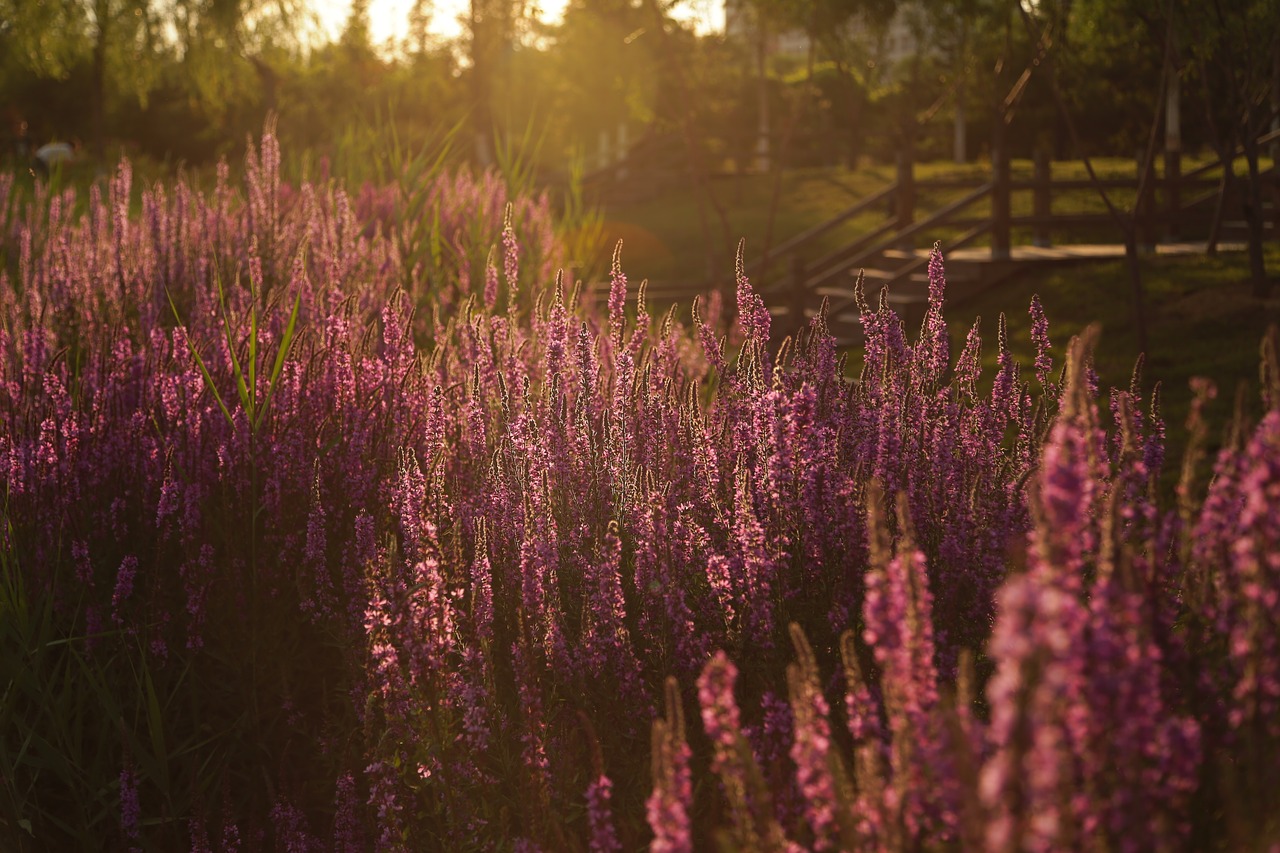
x: 1174, y: 206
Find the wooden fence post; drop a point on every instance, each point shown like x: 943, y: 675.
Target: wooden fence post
x: 1142, y: 204
x: 1042, y: 204
x: 1000, y: 204
x: 1172, y: 153
x: 1275, y: 189
x: 798, y: 292
x: 905, y: 202
x: 1172, y: 192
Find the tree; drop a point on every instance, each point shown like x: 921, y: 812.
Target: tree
x: 1232, y: 53
x: 117, y: 37
x: 1221, y: 57
x: 492, y: 28
x: 125, y: 47
x: 601, y: 74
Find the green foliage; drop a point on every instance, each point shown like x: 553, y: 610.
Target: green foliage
x: 74, y: 710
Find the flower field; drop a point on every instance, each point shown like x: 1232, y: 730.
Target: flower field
x: 337, y: 520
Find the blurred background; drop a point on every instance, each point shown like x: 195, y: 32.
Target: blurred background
x: 755, y: 82
x: 689, y: 124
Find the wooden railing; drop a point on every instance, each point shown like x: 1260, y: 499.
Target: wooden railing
x: 1174, y: 206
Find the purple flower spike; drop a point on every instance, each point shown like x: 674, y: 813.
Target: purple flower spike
x: 668, y: 807
x: 1040, y: 336
x: 604, y: 839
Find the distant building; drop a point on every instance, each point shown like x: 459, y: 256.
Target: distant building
x: 897, y: 42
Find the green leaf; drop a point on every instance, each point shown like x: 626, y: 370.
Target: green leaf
x: 243, y: 389
x: 286, y: 342
x: 204, y: 371
x: 253, y: 356
x: 155, y: 727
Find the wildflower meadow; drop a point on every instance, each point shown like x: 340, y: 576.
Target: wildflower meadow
x: 339, y: 518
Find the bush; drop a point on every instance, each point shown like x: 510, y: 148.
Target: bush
x: 322, y: 531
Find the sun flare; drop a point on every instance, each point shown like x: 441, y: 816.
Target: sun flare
x: 388, y: 19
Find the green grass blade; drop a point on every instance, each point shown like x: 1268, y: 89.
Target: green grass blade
x: 204, y: 371
x: 253, y: 358
x: 241, y: 387
x: 286, y: 342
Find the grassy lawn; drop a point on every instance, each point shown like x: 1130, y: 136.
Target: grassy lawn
x: 1202, y: 321
x: 663, y: 238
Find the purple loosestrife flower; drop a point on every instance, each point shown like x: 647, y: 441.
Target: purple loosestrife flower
x: 1138, y: 758
x: 1023, y: 783
x: 490, y: 282
x: 1067, y: 537
x: 347, y: 835
x: 753, y: 316
x: 863, y: 718
x: 199, y: 834
x: 606, y: 642
x: 124, y: 586
x: 1249, y: 588
x: 769, y: 742
x: 1040, y: 336
x: 431, y: 636
x: 812, y: 748
x: 932, y: 352
x: 382, y: 796
x: 711, y: 347
x: 533, y: 737
x: 898, y: 613
x: 539, y: 587
x: 617, y: 297
x: 482, y: 614
x: 668, y: 806
x: 130, y: 809
x: 723, y: 724
x: 604, y: 838
x: 688, y: 549
x: 410, y: 502
x: 732, y: 762
x: 969, y: 365
x: 510, y: 259
x: 289, y: 826
x: 1154, y: 447
x: 755, y: 571
x: 1005, y: 392
x: 1071, y: 474
x: 313, y: 552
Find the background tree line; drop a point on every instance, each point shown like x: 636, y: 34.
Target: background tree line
x: 793, y: 83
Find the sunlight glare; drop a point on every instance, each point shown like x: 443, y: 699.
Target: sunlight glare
x: 387, y: 18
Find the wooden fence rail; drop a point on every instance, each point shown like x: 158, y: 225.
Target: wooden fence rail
x: 1173, y: 204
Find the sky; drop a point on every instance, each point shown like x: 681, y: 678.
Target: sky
x: 387, y: 17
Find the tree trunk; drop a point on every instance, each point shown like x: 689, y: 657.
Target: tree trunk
x: 698, y: 171
x: 1172, y: 149
x: 267, y: 77
x: 1253, y: 221
x: 481, y: 81
x: 1225, y: 192
x: 101, y: 14
x: 853, y: 145
x: 762, y: 130
x: 1275, y: 115
x: 798, y: 113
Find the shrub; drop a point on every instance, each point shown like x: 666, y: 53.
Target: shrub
x: 318, y: 535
